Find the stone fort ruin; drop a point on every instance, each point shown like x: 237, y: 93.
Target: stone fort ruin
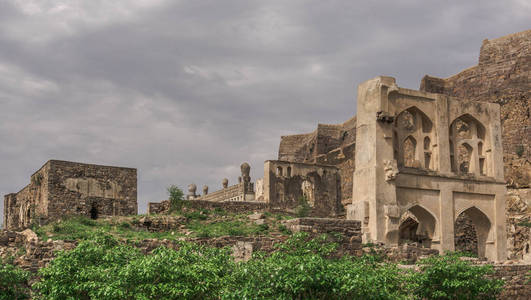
x: 426, y: 158
x: 429, y: 166
x: 61, y: 188
x: 447, y: 167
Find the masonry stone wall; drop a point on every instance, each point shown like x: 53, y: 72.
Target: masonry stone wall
x: 501, y: 76
x: 63, y: 188
x: 163, y: 207
x: 328, y: 144
x: 286, y: 183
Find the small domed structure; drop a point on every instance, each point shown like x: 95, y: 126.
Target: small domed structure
x: 225, y: 183
x: 246, y: 169
x: 192, y: 188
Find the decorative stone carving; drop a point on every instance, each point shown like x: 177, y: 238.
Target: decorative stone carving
x: 225, y: 183
x: 205, y: 190
x: 390, y: 169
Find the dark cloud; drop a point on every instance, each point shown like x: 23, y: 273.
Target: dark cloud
x: 185, y: 91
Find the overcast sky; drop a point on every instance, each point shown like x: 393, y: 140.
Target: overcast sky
x: 186, y: 91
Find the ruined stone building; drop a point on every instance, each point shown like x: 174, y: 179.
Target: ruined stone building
x: 284, y: 185
x: 61, y: 188
x: 502, y: 76
x: 429, y: 166
x: 424, y: 159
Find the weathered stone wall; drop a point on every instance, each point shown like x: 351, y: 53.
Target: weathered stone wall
x: 229, y: 206
x: 518, y: 215
x: 517, y: 284
x: 501, y: 76
x: 30, y: 204
x: 285, y: 183
x: 62, y: 188
x: 157, y: 208
x: 328, y: 144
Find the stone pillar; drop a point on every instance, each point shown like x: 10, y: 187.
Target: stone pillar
x: 446, y: 220
x: 441, y: 146
x: 374, y: 147
x: 500, y: 233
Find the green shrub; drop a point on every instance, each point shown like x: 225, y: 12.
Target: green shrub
x: 449, y: 277
x: 283, y: 229
x: 12, y: 282
x: 106, y: 269
x: 176, y: 197
x: 303, y: 209
x: 300, y: 270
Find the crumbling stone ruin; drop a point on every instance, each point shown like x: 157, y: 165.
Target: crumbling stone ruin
x: 62, y: 188
x: 423, y: 159
x: 501, y: 77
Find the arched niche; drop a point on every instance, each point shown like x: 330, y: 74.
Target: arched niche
x: 412, y: 129
x: 417, y: 225
x: 482, y: 226
x: 468, y: 144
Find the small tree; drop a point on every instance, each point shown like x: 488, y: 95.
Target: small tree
x: 303, y: 209
x: 176, y: 198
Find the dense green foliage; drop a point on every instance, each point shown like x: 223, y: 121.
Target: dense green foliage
x: 12, y: 282
x: 449, y: 277
x: 301, y: 268
x: 176, y: 198
x: 106, y: 269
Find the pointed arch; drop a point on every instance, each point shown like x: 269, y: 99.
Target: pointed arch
x: 482, y: 226
x: 411, y: 128
x: 420, y: 226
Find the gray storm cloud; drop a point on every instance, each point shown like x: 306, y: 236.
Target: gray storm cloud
x: 187, y: 90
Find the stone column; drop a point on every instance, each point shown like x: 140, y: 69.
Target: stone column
x: 446, y: 219
x: 374, y: 149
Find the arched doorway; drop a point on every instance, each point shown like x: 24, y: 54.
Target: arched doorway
x: 465, y: 236
x: 93, y: 212
x: 473, y: 221
x: 417, y: 225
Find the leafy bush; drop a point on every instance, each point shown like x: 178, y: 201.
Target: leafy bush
x: 106, y: 269
x: 300, y: 270
x: 176, y: 197
x: 303, y: 209
x: 449, y: 277
x: 12, y: 282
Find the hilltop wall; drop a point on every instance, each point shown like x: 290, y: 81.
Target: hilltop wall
x: 502, y: 76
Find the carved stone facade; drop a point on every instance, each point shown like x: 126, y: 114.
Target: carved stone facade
x: 62, y: 188
x: 449, y: 161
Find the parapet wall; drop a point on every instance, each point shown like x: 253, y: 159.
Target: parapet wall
x: 231, y: 193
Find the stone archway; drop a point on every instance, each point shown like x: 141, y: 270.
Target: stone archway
x: 417, y: 225
x: 94, y: 212
x: 481, y: 225
x: 465, y: 235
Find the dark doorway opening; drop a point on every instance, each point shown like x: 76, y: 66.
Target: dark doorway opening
x: 94, y: 212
